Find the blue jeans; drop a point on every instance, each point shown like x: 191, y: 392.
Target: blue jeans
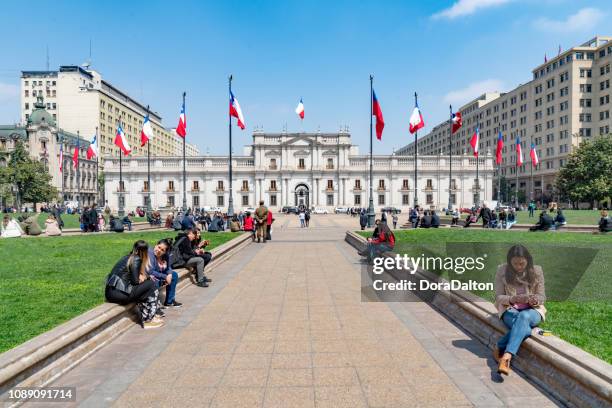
x: 376, y: 249
x: 129, y: 224
x: 520, y: 324
x: 171, y: 288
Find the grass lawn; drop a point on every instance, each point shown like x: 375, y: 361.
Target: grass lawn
x: 575, y: 217
x: 576, y: 269
x: 47, y: 281
x: 70, y: 220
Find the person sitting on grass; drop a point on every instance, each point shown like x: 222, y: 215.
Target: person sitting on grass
x: 501, y: 219
x: 115, y: 224
x: 493, y: 220
x: 186, y: 255
x: 169, y: 221
x: 10, y: 228
x: 130, y: 282
x: 234, y: 224
x: 101, y: 223
x: 559, y: 219
x: 383, y: 243
x: 605, y: 223
x: 162, y: 273
x: 455, y: 218
x: 511, y: 218
x: 52, y: 228
x: 470, y: 219
x: 544, y: 223
x: 426, y: 220
x: 30, y: 226
x: 519, y: 299
x: 435, y: 220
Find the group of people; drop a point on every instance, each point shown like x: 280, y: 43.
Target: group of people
x: 139, y: 276
x: 14, y: 228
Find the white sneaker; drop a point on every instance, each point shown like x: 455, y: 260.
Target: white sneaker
x: 153, y: 323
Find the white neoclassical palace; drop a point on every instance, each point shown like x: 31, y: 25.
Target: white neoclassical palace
x: 291, y: 169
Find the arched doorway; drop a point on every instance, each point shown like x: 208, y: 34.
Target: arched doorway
x: 302, y: 196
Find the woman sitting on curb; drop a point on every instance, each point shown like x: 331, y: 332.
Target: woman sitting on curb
x: 383, y: 242
x: 129, y: 282
x: 52, y: 228
x: 519, y: 298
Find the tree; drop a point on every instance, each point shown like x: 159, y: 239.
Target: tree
x: 30, y: 178
x: 587, y: 176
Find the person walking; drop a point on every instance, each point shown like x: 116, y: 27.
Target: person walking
x: 307, y: 218
x: 302, y: 218
x: 261, y: 221
x: 363, y: 220
x: 394, y: 218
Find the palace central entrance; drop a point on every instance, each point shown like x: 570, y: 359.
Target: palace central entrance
x: 302, y: 196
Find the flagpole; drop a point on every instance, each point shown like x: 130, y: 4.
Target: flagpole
x: 78, y: 173
x: 97, y: 200
x: 477, y: 203
x: 450, y: 158
x: 371, y: 212
x: 516, y: 199
x: 148, y: 168
x: 230, y: 203
x: 120, y: 211
x: 184, y: 162
x: 499, y: 184
x: 416, y: 200
x: 62, y: 167
x: 531, y: 170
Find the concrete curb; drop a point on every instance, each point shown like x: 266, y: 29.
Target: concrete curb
x: 567, y: 372
x: 42, y: 359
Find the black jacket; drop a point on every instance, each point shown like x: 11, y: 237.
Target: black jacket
x: 185, y: 248
x: 122, y: 277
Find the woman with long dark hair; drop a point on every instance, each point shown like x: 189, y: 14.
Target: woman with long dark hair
x: 130, y: 282
x: 519, y: 298
x: 383, y: 242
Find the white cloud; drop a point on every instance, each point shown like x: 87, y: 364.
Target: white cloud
x: 8, y: 92
x: 473, y: 90
x: 584, y: 19
x: 467, y: 7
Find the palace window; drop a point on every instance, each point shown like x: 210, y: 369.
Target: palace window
x: 171, y: 186
x: 330, y: 184
x: 245, y: 185
x: 220, y: 185
x: 196, y: 185
x: 273, y: 185
x: 195, y: 201
x: 381, y: 199
x: 330, y: 163
x: 429, y: 198
x: 357, y: 184
x: 429, y: 184
x: 381, y: 184
x: 122, y: 185
x: 273, y: 200
x: 171, y: 201
x: 301, y: 164
x: 330, y: 199
x: 357, y: 200
x: 220, y: 201
x: 405, y: 199
x: 272, y: 164
x: 245, y: 200
x: 405, y: 185
x: 145, y: 186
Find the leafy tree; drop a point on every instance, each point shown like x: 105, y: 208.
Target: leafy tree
x: 587, y: 176
x: 31, y: 179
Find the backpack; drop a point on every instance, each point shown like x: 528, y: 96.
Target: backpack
x: 175, y: 258
x: 177, y: 224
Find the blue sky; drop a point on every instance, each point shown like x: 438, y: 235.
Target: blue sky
x: 279, y: 51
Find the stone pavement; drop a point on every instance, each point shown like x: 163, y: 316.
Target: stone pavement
x: 283, y: 325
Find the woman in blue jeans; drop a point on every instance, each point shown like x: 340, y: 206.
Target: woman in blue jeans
x: 519, y: 299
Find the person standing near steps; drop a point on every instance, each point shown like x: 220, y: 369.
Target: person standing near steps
x: 261, y: 221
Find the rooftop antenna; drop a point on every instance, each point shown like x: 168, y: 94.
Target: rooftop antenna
x: 87, y: 63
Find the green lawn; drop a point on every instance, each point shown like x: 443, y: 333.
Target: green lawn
x: 70, y: 220
x: 48, y: 281
x: 576, y: 268
x: 575, y: 217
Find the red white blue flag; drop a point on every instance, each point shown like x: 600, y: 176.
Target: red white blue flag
x: 181, y: 129
x: 92, y: 150
x: 535, y: 160
x: 456, y: 122
x: 377, y: 111
x: 61, y: 158
x: 146, y: 133
x: 300, y: 109
x: 235, y: 111
x: 416, y: 119
x: 519, y: 152
x: 121, y: 141
x: 475, y: 141
x: 500, y: 146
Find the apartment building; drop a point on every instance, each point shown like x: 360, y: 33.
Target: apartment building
x: 79, y: 99
x: 567, y: 100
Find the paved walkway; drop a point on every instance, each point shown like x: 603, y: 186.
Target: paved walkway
x: 283, y: 325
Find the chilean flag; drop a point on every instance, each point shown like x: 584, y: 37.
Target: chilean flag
x: 75, y: 157
x: 534, y: 156
x: 498, y: 151
x: 122, y: 142
x: 61, y: 158
x: 416, y: 119
x: 377, y: 111
x: 456, y: 122
x: 147, y: 131
x: 235, y: 111
x: 181, y: 129
x: 475, y: 141
x: 92, y: 150
x: 519, y: 152
x: 300, y: 109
